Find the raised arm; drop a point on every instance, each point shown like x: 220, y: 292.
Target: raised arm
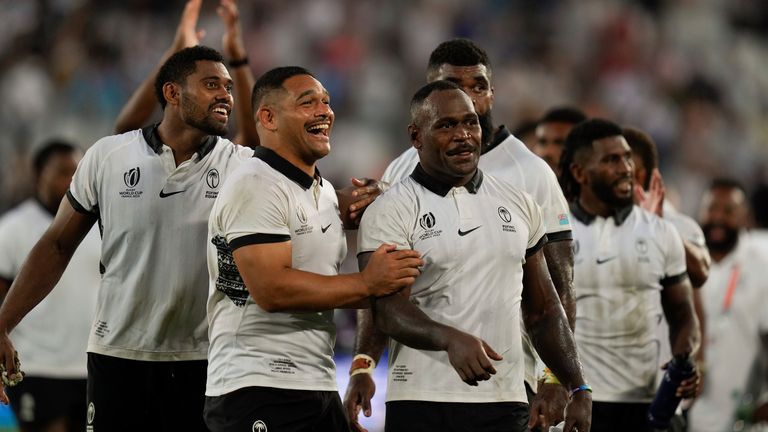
x: 277, y: 287
x: 548, y: 328
x: 242, y: 75
x: 39, y: 274
x: 142, y: 103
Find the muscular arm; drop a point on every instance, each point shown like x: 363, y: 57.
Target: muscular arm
x: 559, y: 256
x: 277, y: 287
x: 5, y: 285
x: 697, y: 262
x: 678, y: 306
x: 546, y: 323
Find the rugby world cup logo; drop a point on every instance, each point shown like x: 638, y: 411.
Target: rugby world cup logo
x: 131, y: 177
x: 427, y: 221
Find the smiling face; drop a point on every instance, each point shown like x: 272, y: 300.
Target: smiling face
x: 206, y: 98
x: 304, y: 117
x: 608, y: 172
x: 723, y: 213
x: 447, y: 136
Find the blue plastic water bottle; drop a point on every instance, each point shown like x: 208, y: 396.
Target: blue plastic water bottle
x: 665, y: 403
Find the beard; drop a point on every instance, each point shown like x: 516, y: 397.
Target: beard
x: 198, y: 119
x: 605, y: 192
x: 724, y: 244
x: 486, y: 127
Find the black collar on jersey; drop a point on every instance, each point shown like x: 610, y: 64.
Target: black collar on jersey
x: 619, y: 214
x: 442, y: 189
x: 153, y: 140
x: 501, y: 134
x: 286, y: 168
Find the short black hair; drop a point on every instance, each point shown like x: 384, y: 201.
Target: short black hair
x: 47, y: 151
x: 182, y: 64
x: 417, y: 101
x: 727, y: 183
x: 272, y: 80
x: 643, y: 145
x: 579, y: 139
x: 458, y: 52
x: 563, y: 114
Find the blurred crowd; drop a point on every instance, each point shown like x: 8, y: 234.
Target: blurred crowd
x: 691, y: 72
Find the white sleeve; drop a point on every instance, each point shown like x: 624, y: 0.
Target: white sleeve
x: 384, y: 221
x: 83, y: 192
x: 9, y: 261
x: 401, y: 167
x: 674, y: 253
x: 554, y: 207
x: 536, y: 235
x: 252, y: 210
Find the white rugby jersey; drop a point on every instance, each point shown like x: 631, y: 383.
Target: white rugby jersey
x: 270, y: 200
x: 51, y: 340
x: 474, y: 241
x: 736, y: 303
x: 508, y: 158
x: 154, y: 219
x: 621, y: 265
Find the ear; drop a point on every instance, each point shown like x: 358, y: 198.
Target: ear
x: 172, y: 93
x: 578, y: 173
x: 265, y: 116
x: 492, y: 94
x: 413, y: 134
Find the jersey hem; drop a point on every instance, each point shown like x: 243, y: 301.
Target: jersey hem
x: 214, y: 391
x: 455, y: 397
x: 148, y: 355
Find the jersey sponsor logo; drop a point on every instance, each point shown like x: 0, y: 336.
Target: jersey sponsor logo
x: 325, y: 228
x: 229, y: 280
x: 259, y: 426
x: 641, y: 246
x: 605, y: 260
x: 164, y: 194
x: 562, y: 219
x: 506, y: 217
x: 131, y: 179
x: 463, y: 233
x: 212, y: 179
x: 427, y: 222
x: 304, y: 227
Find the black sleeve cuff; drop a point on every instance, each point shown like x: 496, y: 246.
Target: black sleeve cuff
x: 559, y: 236
x: 257, y: 239
x: 77, y: 206
x: 672, y: 280
x: 535, y: 248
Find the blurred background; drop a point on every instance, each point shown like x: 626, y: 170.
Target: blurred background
x: 690, y: 72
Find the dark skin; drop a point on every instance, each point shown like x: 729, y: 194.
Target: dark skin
x: 606, y: 176
x: 447, y: 135
x: 550, y: 138
x: 547, y: 407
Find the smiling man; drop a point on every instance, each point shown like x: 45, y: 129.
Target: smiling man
x: 481, y: 239
x: 629, y: 271
x: 276, y: 246
x: 151, y: 190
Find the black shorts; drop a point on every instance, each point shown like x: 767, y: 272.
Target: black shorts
x: 133, y: 395
x: 260, y: 409
x: 617, y: 416
x: 37, y: 401
x: 418, y: 416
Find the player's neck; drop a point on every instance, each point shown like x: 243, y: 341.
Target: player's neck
x: 287, y: 153
x: 182, y: 139
x: 594, y: 205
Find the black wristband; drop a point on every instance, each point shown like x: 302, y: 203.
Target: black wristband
x: 237, y: 63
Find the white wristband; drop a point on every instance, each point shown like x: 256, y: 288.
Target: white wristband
x: 362, y: 363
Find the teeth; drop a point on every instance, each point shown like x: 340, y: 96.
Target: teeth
x: 220, y: 111
x: 322, y: 126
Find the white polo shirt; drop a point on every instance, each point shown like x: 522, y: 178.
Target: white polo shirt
x: 270, y: 200
x: 51, y: 339
x: 621, y: 265
x: 735, y: 300
x: 474, y: 241
x: 154, y: 218
x: 508, y: 158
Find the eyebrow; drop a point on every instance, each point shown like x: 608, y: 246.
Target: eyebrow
x: 216, y: 78
x: 309, y: 92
